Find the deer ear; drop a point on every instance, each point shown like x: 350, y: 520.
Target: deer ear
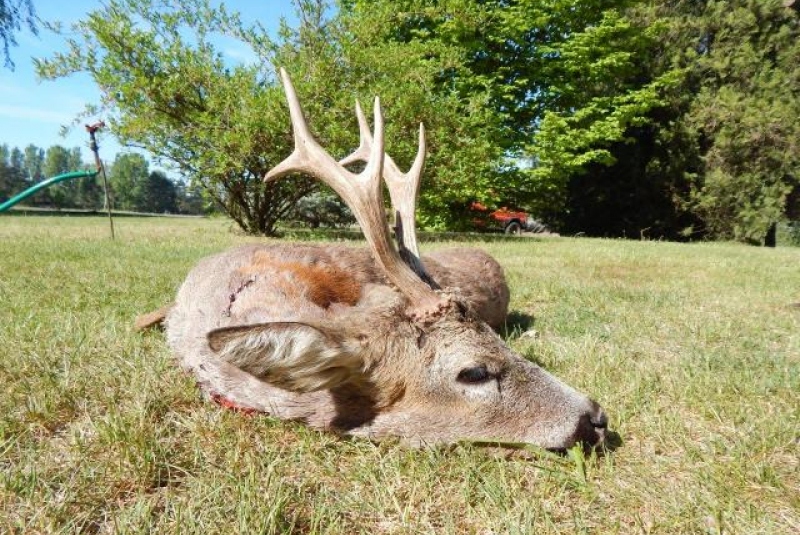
x: 295, y: 356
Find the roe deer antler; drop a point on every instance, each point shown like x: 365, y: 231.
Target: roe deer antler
x: 403, y: 188
x: 363, y: 194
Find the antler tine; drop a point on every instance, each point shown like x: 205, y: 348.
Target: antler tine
x: 300, y: 131
x: 403, y: 192
x: 361, y: 192
x: 364, y: 137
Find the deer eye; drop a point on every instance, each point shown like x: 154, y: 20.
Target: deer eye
x: 476, y: 374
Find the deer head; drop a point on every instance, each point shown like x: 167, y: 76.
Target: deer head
x: 410, y: 359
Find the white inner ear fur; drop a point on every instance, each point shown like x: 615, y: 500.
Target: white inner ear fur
x: 292, y: 356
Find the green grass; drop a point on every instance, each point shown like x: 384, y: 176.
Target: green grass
x: 694, y: 351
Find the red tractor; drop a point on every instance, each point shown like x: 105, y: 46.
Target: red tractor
x: 504, y: 219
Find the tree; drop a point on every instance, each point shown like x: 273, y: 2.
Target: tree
x: 32, y: 168
x: 224, y: 127
x: 33, y: 159
x: 14, y: 180
x: 158, y: 194
x: 189, y: 199
x: 744, y: 67
x: 127, y: 175
x: 138, y: 189
x: 57, y: 162
x: 602, y: 97
x: 14, y: 15
x: 560, y: 84
x: 372, y: 48
x: 17, y: 159
x: 715, y: 154
x: 6, y: 184
x: 322, y: 208
x: 88, y: 191
x: 175, y: 97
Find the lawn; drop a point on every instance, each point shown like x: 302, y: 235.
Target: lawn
x: 693, y: 350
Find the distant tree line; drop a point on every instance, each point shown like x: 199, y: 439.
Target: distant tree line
x: 629, y: 118
x: 133, y: 186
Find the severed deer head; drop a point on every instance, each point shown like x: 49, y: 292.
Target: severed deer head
x: 365, y: 342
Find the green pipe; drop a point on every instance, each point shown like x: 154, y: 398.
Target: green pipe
x: 43, y: 184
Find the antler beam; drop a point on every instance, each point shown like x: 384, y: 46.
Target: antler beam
x: 403, y: 192
x: 361, y: 192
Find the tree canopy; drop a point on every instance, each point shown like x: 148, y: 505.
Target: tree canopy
x: 14, y: 15
x: 744, y: 75
x: 622, y: 117
x: 173, y: 96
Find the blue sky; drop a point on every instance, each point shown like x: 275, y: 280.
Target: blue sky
x: 33, y: 112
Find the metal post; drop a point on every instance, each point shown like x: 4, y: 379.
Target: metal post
x: 101, y: 168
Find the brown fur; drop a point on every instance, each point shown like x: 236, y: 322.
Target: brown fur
x: 339, y: 276
x: 324, y: 284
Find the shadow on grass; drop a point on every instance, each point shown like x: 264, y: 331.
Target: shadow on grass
x: 526, y: 451
x: 613, y: 441
x: 516, y: 325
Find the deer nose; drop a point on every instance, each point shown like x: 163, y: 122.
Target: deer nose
x: 591, y: 429
x: 598, y: 416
